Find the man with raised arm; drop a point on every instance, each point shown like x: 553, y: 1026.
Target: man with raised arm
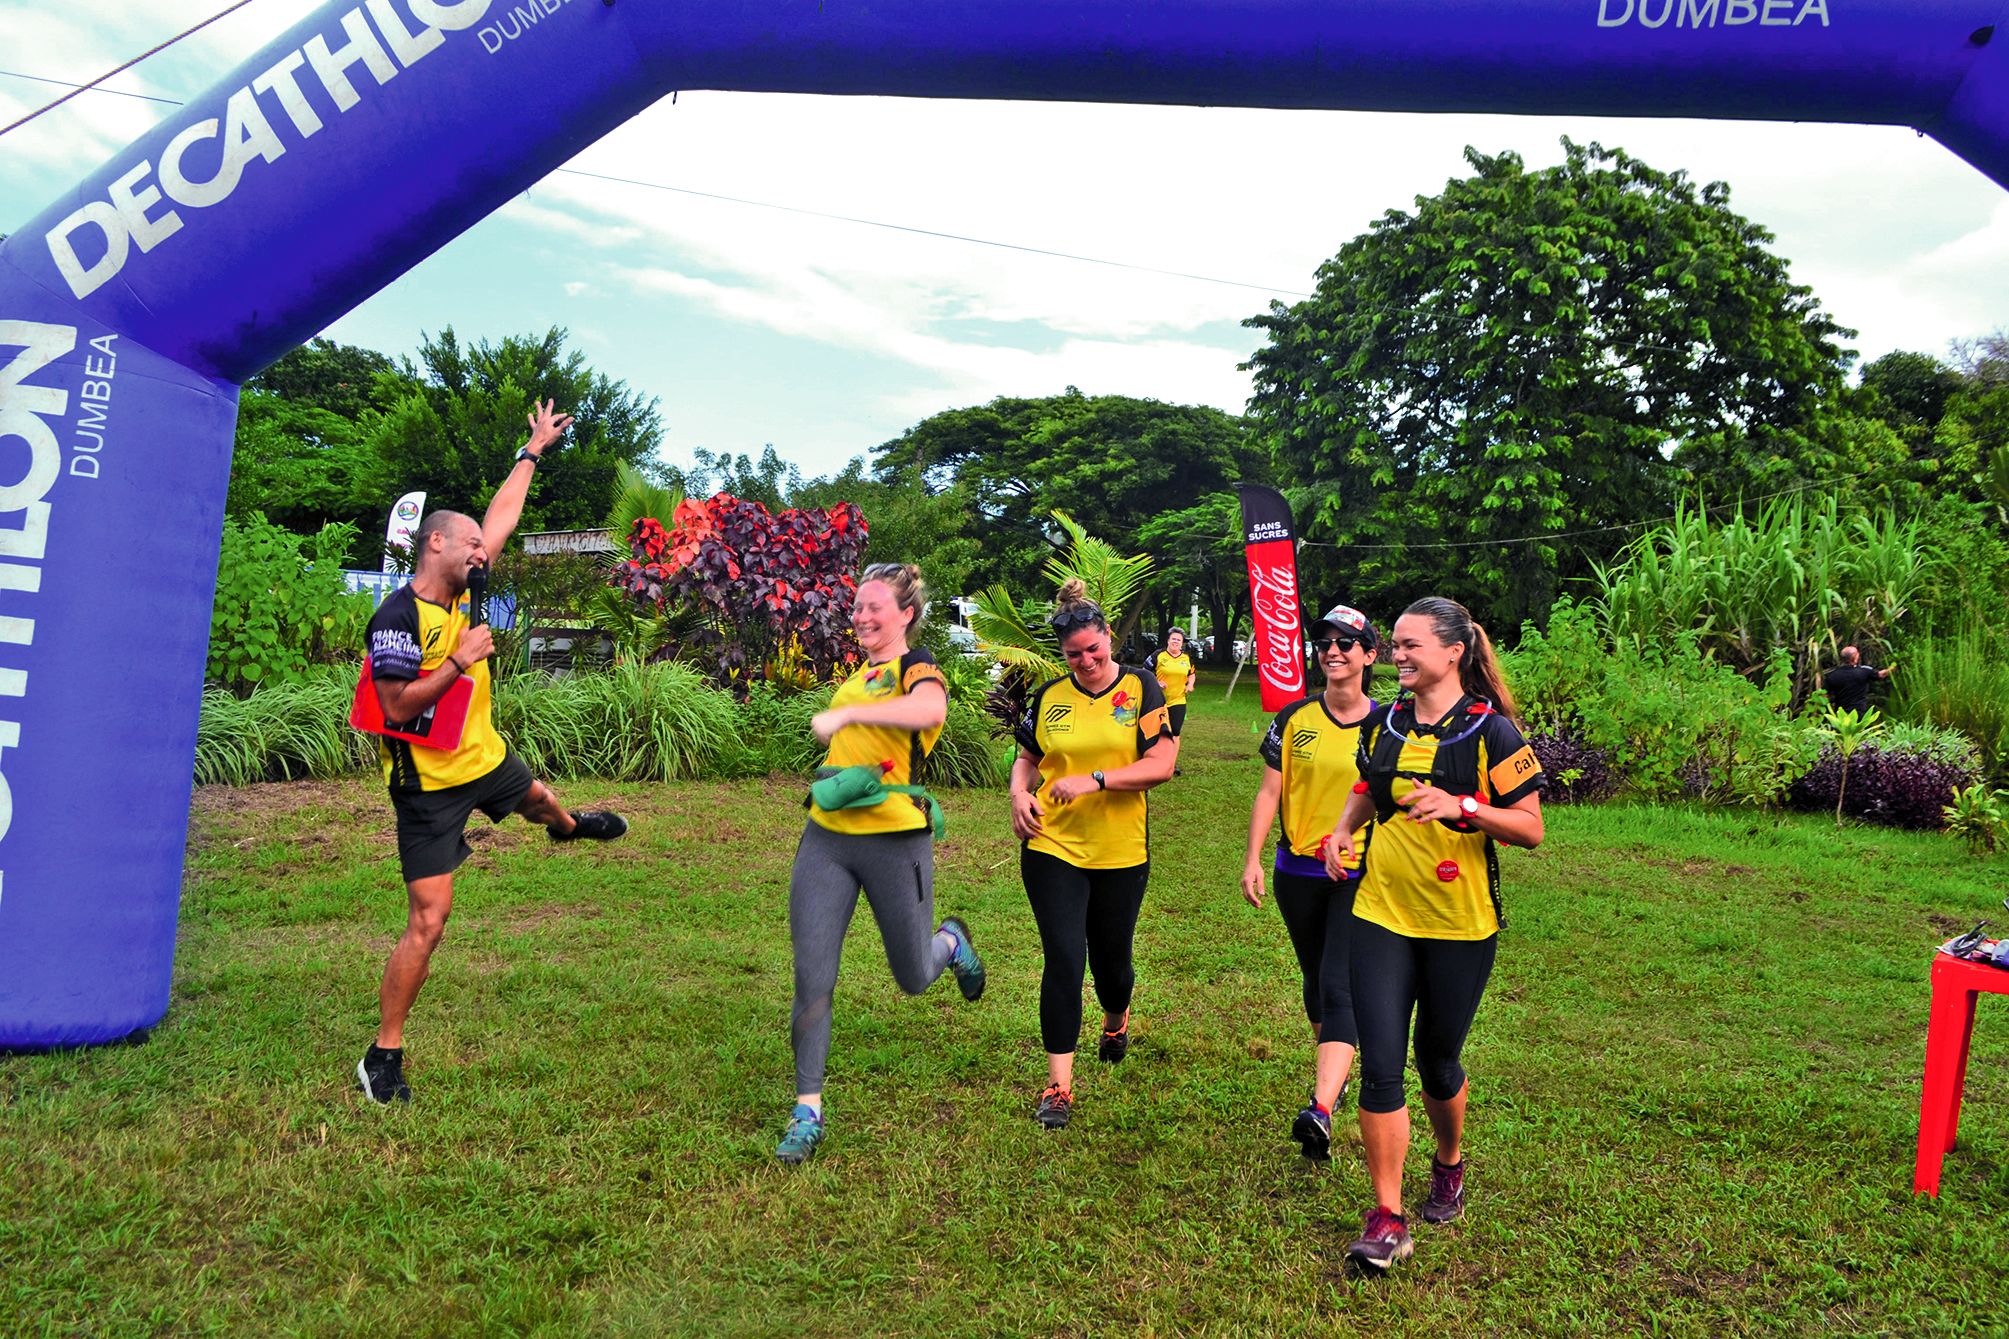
x: 420, y: 644
x: 1848, y: 683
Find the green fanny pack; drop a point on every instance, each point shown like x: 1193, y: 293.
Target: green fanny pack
x: 863, y: 786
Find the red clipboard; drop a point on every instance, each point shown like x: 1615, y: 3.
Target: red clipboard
x: 439, y: 727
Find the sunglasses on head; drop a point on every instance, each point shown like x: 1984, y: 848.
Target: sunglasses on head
x: 1077, y: 616
x: 1320, y: 645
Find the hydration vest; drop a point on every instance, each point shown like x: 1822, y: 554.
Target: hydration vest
x: 1454, y: 768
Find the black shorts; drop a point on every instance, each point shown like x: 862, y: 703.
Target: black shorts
x: 1176, y: 713
x: 432, y: 824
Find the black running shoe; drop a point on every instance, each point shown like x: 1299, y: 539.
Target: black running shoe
x: 598, y: 824
x: 381, y: 1074
x: 1115, y: 1045
x: 1447, y: 1193
x: 1313, y: 1131
x: 1056, y: 1104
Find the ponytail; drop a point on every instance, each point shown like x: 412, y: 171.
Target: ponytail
x: 1479, y: 672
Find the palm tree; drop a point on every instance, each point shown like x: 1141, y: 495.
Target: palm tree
x: 1016, y: 632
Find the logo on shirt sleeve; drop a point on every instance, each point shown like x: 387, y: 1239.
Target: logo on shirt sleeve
x: 1513, y: 771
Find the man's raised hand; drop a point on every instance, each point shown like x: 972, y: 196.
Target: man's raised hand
x: 547, y: 425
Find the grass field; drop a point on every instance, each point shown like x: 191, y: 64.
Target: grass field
x: 1695, y: 1092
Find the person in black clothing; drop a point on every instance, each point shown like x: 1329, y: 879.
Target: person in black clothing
x: 1848, y: 683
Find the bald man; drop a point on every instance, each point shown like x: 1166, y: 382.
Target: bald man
x: 421, y: 643
x: 1848, y: 683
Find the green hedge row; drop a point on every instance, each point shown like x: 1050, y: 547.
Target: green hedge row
x: 634, y: 723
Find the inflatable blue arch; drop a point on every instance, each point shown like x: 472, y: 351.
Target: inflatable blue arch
x: 372, y: 133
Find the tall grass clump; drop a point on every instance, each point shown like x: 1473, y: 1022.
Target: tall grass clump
x: 1797, y: 576
x: 1959, y: 682
x: 658, y: 722
x: 281, y: 732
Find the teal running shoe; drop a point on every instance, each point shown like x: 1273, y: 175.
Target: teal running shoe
x: 964, y: 962
x: 804, y: 1133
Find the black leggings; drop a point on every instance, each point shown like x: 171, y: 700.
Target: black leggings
x: 1318, y: 912
x: 1442, y: 979
x: 1175, y: 716
x: 1087, y: 920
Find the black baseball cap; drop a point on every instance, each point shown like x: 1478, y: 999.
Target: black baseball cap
x: 1345, y: 621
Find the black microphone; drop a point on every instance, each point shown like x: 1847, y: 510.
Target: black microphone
x: 477, y: 596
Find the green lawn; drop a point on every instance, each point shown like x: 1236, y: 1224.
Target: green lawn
x: 1695, y: 1092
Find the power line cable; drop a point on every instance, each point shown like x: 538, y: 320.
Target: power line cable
x: 1574, y: 534
x: 153, y: 50
x: 64, y: 83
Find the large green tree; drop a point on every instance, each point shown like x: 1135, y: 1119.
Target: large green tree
x: 460, y: 414
x: 1525, y: 358
x: 1113, y: 462
x: 302, y: 454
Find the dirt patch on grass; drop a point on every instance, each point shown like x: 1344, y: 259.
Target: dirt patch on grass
x: 517, y: 920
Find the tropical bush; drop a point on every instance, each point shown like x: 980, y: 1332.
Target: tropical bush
x: 1979, y: 817
x: 280, y: 604
x: 1898, y: 780
x: 1672, y: 718
x: 770, y: 589
x: 1573, y: 771
x: 283, y: 731
x: 1958, y: 682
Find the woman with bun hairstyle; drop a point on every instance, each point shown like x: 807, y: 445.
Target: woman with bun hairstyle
x: 1309, y: 758
x: 1092, y: 742
x: 886, y: 716
x: 1445, y: 774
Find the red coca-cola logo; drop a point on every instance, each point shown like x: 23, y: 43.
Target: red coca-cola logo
x: 1273, y: 596
x: 1448, y: 870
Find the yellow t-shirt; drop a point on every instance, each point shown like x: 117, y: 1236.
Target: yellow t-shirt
x: 1317, y: 756
x: 1430, y: 880
x: 901, y: 754
x: 1172, y: 671
x: 1074, y: 732
x: 407, y: 638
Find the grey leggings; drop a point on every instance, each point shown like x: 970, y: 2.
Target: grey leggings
x: 897, y: 873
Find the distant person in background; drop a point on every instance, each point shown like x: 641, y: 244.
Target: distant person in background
x: 1091, y: 743
x: 1310, y: 768
x: 1848, y: 683
x: 1176, y: 677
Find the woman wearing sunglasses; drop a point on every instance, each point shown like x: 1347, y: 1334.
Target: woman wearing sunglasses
x: 1091, y: 744
x: 1309, y: 772
x: 1445, y: 774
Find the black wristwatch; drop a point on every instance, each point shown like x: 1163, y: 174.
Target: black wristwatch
x: 1101, y: 781
x: 525, y: 453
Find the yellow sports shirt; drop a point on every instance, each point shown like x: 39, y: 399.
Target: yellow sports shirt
x: 1429, y: 880
x: 1318, y: 757
x: 901, y: 754
x: 409, y: 637
x: 1172, y: 671
x: 1073, y: 732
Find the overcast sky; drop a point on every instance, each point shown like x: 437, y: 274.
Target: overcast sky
x: 753, y: 325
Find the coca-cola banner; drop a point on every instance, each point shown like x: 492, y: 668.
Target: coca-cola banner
x: 1278, y: 648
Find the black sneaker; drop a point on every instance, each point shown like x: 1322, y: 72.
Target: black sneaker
x: 1056, y: 1104
x: 1115, y: 1045
x: 1447, y: 1192
x: 598, y: 824
x: 1384, y: 1239
x: 381, y: 1074
x: 1313, y: 1131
